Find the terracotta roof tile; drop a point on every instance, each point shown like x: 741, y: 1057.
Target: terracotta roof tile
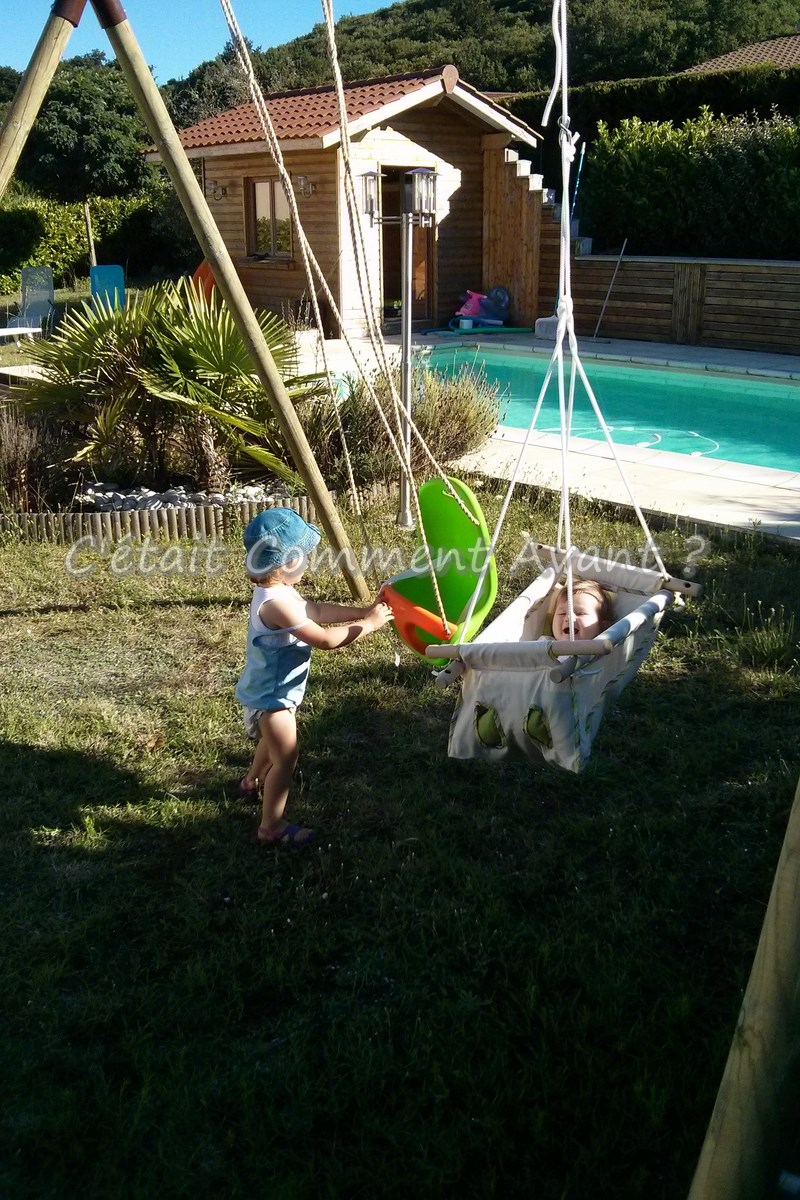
x: 305, y: 113
x: 783, y: 51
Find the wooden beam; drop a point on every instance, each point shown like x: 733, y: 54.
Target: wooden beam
x: 35, y: 81
x: 738, y: 1159
x: 495, y: 141
x: 190, y: 194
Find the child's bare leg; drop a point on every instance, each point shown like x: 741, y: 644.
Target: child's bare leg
x: 260, y: 765
x: 279, y: 729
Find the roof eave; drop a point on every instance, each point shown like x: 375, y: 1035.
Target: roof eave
x: 495, y: 117
x: 230, y: 149
x: 385, y: 113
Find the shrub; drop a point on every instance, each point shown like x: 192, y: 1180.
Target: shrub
x: 139, y: 232
x: 722, y: 187
x: 454, y: 414
x: 28, y: 448
x: 676, y: 98
x: 162, y: 388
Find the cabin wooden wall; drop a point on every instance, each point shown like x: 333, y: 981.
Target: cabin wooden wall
x: 549, y: 250
x: 440, y: 136
x: 512, y: 221
x: 273, y: 285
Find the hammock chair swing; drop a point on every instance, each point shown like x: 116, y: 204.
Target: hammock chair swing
x: 522, y: 690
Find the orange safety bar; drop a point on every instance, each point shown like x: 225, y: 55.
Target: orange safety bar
x: 409, y: 618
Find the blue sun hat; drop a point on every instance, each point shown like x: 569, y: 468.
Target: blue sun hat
x: 276, y: 537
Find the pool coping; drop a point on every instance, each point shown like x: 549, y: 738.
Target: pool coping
x: 715, y: 360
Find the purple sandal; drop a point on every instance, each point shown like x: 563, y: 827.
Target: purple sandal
x: 288, y: 836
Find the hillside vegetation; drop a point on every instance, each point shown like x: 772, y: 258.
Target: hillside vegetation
x: 507, y: 45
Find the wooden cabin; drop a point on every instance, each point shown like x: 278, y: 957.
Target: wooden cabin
x: 488, y: 201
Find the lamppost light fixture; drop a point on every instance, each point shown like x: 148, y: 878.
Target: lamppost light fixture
x: 418, y: 195
x: 417, y: 208
x: 422, y: 199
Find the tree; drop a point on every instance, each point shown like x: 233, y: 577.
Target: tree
x: 507, y: 44
x: 209, y: 89
x: 88, y: 138
x: 9, y: 82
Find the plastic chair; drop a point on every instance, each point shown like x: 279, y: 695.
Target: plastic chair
x: 203, y: 279
x: 38, y: 301
x: 107, y: 283
x: 458, y: 548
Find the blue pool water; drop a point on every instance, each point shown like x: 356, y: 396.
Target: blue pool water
x: 740, y: 419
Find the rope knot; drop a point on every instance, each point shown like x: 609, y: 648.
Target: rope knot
x: 567, y: 141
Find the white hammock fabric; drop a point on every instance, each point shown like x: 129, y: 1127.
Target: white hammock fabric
x: 514, y: 697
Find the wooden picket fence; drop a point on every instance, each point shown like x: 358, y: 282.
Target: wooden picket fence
x: 197, y: 523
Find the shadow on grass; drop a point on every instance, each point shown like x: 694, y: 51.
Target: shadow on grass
x: 138, y: 603
x: 474, y: 965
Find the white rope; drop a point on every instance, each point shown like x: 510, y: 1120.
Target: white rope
x: 310, y: 262
x: 307, y: 254
x: 368, y: 306
x: 565, y: 329
x: 362, y: 271
x: 311, y: 266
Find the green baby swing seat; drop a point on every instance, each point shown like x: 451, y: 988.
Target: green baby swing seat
x: 458, y: 546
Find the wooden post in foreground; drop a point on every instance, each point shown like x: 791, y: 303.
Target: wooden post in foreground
x: 737, y: 1161
x: 143, y: 87
x: 33, y: 86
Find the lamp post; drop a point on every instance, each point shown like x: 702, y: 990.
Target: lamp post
x: 417, y: 208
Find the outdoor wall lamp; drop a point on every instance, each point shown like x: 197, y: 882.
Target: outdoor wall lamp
x: 215, y: 189
x: 371, y: 199
x: 303, y: 186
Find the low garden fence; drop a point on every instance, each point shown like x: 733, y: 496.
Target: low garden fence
x: 193, y: 523
x: 200, y: 522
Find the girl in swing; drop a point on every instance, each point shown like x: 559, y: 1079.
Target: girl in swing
x: 591, y: 610
x: 282, y: 631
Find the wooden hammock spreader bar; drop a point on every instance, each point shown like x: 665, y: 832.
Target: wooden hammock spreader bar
x: 526, y: 656
x: 586, y: 566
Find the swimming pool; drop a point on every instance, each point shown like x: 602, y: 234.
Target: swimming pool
x: 743, y: 419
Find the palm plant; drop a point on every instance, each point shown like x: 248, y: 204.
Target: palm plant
x: 165, y: 380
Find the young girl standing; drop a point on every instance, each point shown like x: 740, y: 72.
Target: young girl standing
x: 282, y: 631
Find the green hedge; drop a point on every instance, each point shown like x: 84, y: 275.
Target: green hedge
x: 724, y: 187
x: 675, y: 98
x: 142, y: 233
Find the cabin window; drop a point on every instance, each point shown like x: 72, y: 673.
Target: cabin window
x: 270, y: 226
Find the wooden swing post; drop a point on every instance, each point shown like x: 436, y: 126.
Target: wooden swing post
x: 24, y: 109
x: 143, y: 87
x: 738, y: 1159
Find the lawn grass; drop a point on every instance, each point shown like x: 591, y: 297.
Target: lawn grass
x: 482, y: 981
